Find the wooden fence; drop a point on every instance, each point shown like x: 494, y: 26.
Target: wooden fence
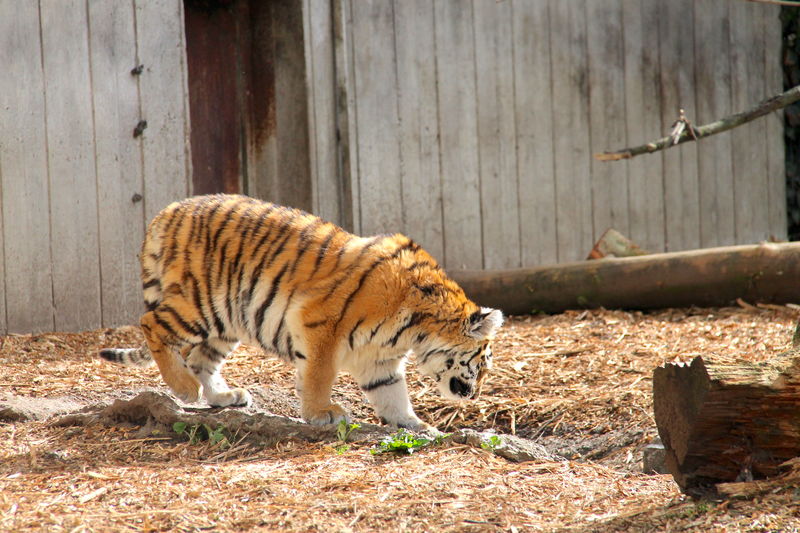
x: 471, y: 125
x: 468, y: 124
x: 77, y: 186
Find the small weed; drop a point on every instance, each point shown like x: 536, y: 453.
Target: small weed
x: 405, y: 442
x: 202, y: 432
x: 492, y: 443
x: 343, y: 432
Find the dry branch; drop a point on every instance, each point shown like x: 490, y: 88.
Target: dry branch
x: 764, y: 107
x: 787, y: 3
x: 765, y: 273
x: 158, y: 412
x: 728, y: 422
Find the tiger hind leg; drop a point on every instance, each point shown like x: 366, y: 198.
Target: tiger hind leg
x: 165, y: 347
x: 205, y: 360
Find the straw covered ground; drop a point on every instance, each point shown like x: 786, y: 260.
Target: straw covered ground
x: 578, y: 383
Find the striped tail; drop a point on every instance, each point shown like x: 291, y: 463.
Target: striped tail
x: 137, y: 357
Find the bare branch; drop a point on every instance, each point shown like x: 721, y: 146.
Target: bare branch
x: 779, y: 2
x: 692, y: 134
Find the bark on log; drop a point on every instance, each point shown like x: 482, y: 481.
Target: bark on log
x: 766, y: 273
x: 157, y: 413
x: 725, y: 423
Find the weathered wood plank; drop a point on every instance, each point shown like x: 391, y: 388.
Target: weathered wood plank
x: 419, y: 127
x: 681, y: 189
x: 347, y: 131
x: 70, y: 141
x: 713, y: 92
x: 643, y: 121
x: 776, y: 162
x: 164, y: 103
x: 497, y: 135
x: 534, y: 124
x: 23, y: 170
x: 571, y: 129
x: 291, y: 109
x: 749, y: 142
x: 458, y: 136
x: 115, y: 96
x: 381, y: 205
x: 326, y: 188
x: 215, y: 111
x: 606, y: 58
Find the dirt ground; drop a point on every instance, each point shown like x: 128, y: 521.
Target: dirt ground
x: 578, y: 383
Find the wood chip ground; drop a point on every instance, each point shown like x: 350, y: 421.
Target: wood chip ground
x: 579, y: 383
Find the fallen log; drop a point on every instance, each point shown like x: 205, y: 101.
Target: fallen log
x: 723, y: 423
x: 157, y: 413
x: 766, y: 273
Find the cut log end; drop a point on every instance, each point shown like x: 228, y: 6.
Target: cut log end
x: 727, y: 423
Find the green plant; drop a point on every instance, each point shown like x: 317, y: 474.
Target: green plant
x: 202, y: 432
x: 343, y: 431
x: 492, y: 443
x: 405, y: 442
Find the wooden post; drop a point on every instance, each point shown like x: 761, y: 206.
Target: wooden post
x: 724, y: 423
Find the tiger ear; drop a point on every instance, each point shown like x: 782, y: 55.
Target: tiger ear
x: 484, y: 323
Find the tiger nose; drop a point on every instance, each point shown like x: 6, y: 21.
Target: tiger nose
x: 460, y: 388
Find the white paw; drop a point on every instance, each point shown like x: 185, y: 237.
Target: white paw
x: 232, y: 398
x: 414, y: 424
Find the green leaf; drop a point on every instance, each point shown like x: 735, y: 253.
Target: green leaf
x: 179, y: 427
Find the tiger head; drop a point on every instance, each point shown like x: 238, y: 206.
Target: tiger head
x: 460, y: 362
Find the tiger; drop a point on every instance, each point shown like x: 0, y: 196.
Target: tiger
x: 222, y: 269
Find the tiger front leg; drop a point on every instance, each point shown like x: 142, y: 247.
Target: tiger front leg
x: 384, y: 385
x: 314, y: 383
x: 165, y: 350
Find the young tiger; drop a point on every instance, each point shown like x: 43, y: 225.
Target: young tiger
x: 221, y: 269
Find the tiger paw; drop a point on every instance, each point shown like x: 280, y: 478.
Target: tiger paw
x: 185, y: 386
x: 414, y: 424
x: 232, y: 398
x: 332, y: 414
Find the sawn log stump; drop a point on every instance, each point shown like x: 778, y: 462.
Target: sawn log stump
x: 728, y: 422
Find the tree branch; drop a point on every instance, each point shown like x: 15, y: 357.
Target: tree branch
x: 789, y: 3
x: 764, y: 107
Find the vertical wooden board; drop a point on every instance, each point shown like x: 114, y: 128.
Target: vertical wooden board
x: 73, y: 182
x: 3, y: 316
x: 776, y: 162
x: 322, y: 111
x: 458, y: 136
x: 23, y: 168
x: 533, y: 101
x: 497, y: 134
x: 681, y: 189
x: 714, y: 157
x: 164, y: 103
x: 112, y: 46
x: 257, y: 53
x: 749, y: 141
x: 214, y: 111
x: 643, y: 122
x: 376, y: 115
x: 606, y: 57
x: 347, y: 131
x: 291, y: 107
x: 571, y: 135
x: 419, y: 129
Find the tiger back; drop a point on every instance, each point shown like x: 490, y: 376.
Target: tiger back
x: 222, y: 269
